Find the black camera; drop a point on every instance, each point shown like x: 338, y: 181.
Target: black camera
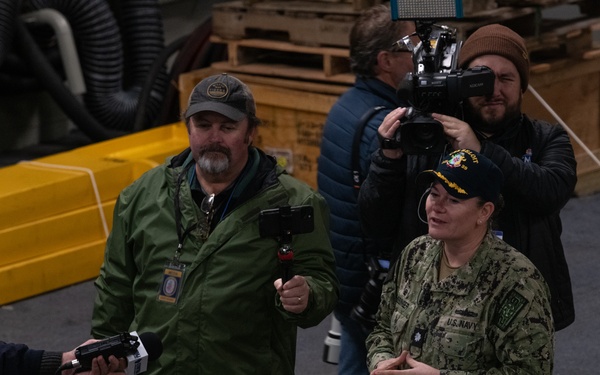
x: 436, y: 85
x: 119, y: 346
x: 364, y: 312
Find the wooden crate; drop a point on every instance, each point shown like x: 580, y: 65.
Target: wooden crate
x: 293, y: 114
x: 572, y: 89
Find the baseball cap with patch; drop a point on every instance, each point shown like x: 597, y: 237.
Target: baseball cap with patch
x: 467, y: 174
x: 223, y: 94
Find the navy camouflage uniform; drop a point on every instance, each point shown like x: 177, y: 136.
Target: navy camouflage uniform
x: 492, y: 315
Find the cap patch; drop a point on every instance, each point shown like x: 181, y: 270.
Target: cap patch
x: 217, y: 90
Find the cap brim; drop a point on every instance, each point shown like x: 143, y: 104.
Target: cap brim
x: 221, y: 108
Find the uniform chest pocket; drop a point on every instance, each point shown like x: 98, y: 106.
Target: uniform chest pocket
x: 402, y: 314
x: 459, y: 341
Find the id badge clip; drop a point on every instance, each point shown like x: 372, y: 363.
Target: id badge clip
x: 172, y: 281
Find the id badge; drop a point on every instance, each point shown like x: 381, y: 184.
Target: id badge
x: 172, y: 282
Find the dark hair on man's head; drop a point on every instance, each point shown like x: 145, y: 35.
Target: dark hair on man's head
x: 372, y: 32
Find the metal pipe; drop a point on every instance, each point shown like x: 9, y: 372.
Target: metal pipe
x: 66, y: 45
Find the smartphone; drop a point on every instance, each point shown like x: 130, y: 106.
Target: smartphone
x: 270, y: 223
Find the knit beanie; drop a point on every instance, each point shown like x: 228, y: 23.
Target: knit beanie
x: 499, y: 40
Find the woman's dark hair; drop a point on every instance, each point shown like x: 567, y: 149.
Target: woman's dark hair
x: 498, y: 206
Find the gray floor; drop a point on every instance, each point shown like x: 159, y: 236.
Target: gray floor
x: 60, y: 320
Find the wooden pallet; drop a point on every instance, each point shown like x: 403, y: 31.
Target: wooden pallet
x: 545, y: 38
x: 528, y: 3
x: 356, y: 4
x: 518, y: 19
x: 299, y: 22
x: 541, y: 3
x: 318, y: 53
x: 556, y: 39
x: 283, y: 59
x: 312, y: 23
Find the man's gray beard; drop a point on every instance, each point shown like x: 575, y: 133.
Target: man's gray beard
x: 213, y: 165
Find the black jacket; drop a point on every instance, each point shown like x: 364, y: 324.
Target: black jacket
x: 18, y: 359
x: 539, y: 169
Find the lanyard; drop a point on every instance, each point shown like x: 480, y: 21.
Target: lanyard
x: 181, y: 233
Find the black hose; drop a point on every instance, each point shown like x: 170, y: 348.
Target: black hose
x: 8, y: 13
x: 115, y: 68
x: 198, y: 52
x: 53, y: 83
x: 159, y: 63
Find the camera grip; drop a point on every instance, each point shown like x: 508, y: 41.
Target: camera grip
x: 286, y: 260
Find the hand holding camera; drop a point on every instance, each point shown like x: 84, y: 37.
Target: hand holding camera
x: 437, y: 85
x: 388, y: 131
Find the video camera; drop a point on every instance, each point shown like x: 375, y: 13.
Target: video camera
x: 436, y: 85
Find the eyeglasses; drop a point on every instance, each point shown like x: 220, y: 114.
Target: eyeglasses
x: 206, y: 206
x: 402, y: 45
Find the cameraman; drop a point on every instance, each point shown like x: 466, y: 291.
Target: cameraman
x: 535, y: 157
x: 379, y: 64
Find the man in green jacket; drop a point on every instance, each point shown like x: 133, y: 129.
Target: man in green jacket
x: 187, y: 261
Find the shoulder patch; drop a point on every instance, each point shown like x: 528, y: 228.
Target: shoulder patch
x: 509, y: 308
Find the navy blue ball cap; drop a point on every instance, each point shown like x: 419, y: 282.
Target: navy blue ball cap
x: 467, y: 174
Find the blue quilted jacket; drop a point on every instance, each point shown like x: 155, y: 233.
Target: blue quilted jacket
x: 335, y: 181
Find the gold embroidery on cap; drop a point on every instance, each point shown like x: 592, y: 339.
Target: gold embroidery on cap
x: 451, y: 185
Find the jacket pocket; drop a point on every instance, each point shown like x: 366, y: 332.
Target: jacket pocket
x: 459, y: 342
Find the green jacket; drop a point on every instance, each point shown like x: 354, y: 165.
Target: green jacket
x: 228, y: 319
x: 491, y: 316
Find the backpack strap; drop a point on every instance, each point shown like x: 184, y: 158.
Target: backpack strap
x: 357, y: 178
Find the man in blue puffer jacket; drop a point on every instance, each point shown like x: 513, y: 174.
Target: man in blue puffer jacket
x: 380, y: 64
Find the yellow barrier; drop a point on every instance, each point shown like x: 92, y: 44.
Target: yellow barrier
x: 56, y: 211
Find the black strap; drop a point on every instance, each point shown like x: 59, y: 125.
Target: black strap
x: 357, y: 178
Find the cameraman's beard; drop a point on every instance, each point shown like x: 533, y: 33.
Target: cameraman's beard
x: 490, y: 124
x: 214, y: 159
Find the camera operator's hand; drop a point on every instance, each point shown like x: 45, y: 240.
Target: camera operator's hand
x: 459, y: 133
x: 388, y: 129
x: 293, y: 294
